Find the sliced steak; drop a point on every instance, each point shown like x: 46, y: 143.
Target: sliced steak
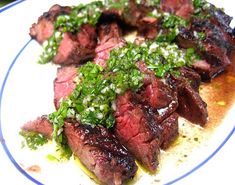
x: 100, y: 152
x: 110, y: 38
x: 157, y: 95
x: 137, y: 130
x: 191, y: 76
x: 182, y: 8
x: 169, y: 130
x: 191, y: 106
x: 64, y: 84
x: 214, y: 56
x: 206, y: 70
x: 40, y: 125
x: 44, y: 28
x: 75, y: 49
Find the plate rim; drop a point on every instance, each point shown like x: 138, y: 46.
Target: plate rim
x: 23, y: 172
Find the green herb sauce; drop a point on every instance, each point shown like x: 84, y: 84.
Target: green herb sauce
x: 33, y: 140
x: 93, y: 100
x: 81, y: 14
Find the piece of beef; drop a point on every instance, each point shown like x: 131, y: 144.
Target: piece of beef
x: 74, y: 49
x: 215, y: 33
x: 191, y: 76
x: 219, y: 18
x: 64, y: 84
x: 101, y: 153
x: 160, y: 99
x: 215, y: 56
x: 206, y: 70
x: 148, y: 27
x: 169, y: 130
x: 191, y: 106
x: 41, y: 125
x: 137, y: 130
x: 110, y: 38
x: 137, y: 16
x: 182, y: 8
x: 44, y: 28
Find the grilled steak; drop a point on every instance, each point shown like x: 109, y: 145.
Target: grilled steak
x: 64, y: 84
x: 40, y: 125
x: 75, y: 49
x: 97, y: 148
x: 100, y: 152
x: 191, y: 76
x: 44, y: 28
x: 191, y: 106
x: 182, y: 8
x: 110, y: 38
x: 160, y: 99
x: 137, y: 130
x: 169, y: 130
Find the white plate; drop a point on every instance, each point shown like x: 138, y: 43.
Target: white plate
x: 27, y: 92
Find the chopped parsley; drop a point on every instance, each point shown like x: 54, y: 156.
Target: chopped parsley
x: 172, y: 21
x: 81, y: 14
x: 121, y: 4
x: 200, y: 9
x: 93, y: 100
x: 33, y: 140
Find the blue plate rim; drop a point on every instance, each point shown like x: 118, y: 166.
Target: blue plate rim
x: 2, y: 140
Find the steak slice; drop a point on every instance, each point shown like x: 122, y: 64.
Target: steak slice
x: 74, y: 49
x: 206, y: 70
x: 169, y: 130
x: 44, y: 28
x: 41, y: 125
x: 110, y: 38
x: 157, y: 95
x: 101, y: 153
x: 97, y: 148
x: 192, y: 77
x: 64, y: 84
x: 182, y: 8
x: 191, y: 106
x: 215, y: 57
x: 137, y: 130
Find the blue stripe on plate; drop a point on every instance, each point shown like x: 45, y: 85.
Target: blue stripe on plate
x: 1, y: 134
x: 37, y: 182
x: 2, y: 141
x: 10, y: 5
x: 205, y: 161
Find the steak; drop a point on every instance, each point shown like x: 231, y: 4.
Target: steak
x: 74, y: 49
x: 110, y: 38
x: 191, y: 76
x: 191, y: 106
x: 169, y: 130
x: 97, y: 148
x: 158, y: 96
x: 217, y: 45
x: 64, y: 84
x: 44, y: 28
x: 137, y: 130
x: 182, y: 8
x: 101, y: 153
x: 41, y: 125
